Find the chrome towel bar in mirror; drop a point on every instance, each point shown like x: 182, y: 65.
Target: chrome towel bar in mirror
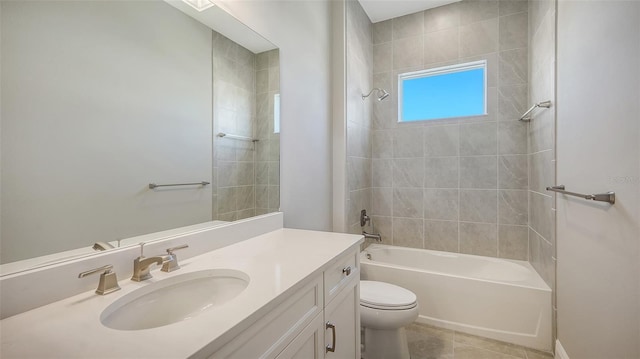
x: 153, y: 185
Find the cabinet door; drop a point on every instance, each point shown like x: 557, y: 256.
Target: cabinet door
x: 342, y: 324
x: 308, y: 344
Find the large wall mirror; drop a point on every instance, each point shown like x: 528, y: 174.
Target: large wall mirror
x: 100, y: 99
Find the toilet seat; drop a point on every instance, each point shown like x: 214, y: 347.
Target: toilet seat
x: 385, y: 296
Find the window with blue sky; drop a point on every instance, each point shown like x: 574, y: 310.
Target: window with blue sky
x: 444, y: 92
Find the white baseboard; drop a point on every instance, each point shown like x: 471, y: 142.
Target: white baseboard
x: 560, y: 352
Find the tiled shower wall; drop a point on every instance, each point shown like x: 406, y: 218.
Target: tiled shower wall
x: 359, y: 80
x: 234, y: 78
x: 541, y: 149
x: 268, y: 146
x: 245, y: 174
x: 458, y: 185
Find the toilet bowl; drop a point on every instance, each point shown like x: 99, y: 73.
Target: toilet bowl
x: 385, y: 309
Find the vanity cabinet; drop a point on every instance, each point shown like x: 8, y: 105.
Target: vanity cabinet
x: 323, y: 314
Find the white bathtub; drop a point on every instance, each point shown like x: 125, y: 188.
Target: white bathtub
x: 495, y: 298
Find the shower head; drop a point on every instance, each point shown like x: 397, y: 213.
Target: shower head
x: 382, y: 94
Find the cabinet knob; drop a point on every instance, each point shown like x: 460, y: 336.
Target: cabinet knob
x: 346, y: 270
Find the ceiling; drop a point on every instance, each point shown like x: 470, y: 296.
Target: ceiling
x: 380, y: 10
x: 225, y: 24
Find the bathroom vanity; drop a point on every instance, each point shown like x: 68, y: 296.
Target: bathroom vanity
x: 301, y: 300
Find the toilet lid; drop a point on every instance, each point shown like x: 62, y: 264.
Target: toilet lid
x: 385, y: 295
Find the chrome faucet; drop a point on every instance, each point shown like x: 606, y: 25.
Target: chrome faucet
x: 141, y: 265
x: 375, y: 236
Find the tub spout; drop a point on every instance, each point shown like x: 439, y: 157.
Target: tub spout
x: 375, y: 236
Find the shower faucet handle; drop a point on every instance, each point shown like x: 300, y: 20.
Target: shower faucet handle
x: 364, y: 219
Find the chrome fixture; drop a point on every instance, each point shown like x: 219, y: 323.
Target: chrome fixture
x: 346, y: 270
x: 236, y: 137
x: 153, y: 185
x: 544, y: 104
x: 364, y: 219
x: 609, y: 197
x: 172, y: 264
x: 331, y: 347
x: 102, y: 246
x: 108, y: 280
x: 375, y: 236
x: 141, y: 265
x: 382, y: 94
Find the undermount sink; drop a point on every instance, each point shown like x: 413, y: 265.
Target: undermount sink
x: 174, y: 299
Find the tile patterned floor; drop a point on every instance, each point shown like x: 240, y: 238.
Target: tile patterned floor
x: 427, y: 342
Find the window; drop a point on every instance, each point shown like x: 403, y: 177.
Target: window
x: 276, y: 113
x: 443, y: 92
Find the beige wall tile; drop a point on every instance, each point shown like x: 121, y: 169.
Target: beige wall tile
x: 479, y: 38
x: 441, y: 204
x: 540, y: 256
x: 408, y: 142
x: 479, y: 206
x: 507, y: 7
x: 513, y: 66
x: 541, y: 171
x: 382, y: 172
x: 441, y: 46
x: 512, y: 102
x: 513, y: 207
x: 408, y: 25
x: 408, y: 172
x: 407, y: 202
x: 513, y: 31
x: 408, y: 52
x: 441, y: 140
x: 512, y: 138
x: 381, y: 202
x: 513, y: 172
x: 479, y: 239
x: 382, y: 31
x: 382, y: 57
x: 441, y: 172
x: 479, y: 172
x: 407, y: 232
x: 541, y: 216
x: 441, y: 235
x: 513, y: 242
x: 477, y: 10
x: 478, y: 139
x: 442, y: 17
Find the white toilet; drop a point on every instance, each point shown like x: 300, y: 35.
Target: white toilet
x: 385, y: 309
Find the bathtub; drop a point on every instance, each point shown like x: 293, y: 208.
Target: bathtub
x: 494, y: 298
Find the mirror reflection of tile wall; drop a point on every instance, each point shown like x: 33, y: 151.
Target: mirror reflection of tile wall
x: 245, y: 173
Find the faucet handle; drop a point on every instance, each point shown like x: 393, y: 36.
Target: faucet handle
x: 170, y: 250
x: 108, y: 280
x: 172, y: 264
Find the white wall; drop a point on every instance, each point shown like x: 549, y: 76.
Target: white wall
x: 598, y: 146
x: 100, y: 99
x: 302, y: 31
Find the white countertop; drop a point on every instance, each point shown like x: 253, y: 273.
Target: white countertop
x: 276, y: 263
